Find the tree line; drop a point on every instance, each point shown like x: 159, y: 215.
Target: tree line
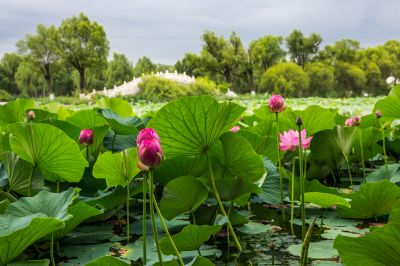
x: 73, y: 57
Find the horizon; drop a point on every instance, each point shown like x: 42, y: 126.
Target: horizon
x: 166, y: 31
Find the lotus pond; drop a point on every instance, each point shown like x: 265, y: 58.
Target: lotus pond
x: 200, y: 181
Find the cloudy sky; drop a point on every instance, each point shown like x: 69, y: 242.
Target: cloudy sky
x: 165, y: 29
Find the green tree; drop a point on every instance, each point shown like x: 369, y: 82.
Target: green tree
x: 119, y: 69
x: 83, y: 44
x: 9, y: 66
x: 29, y: 79
x: 302, y: 49
x: 192, y: 65
x: 285, y: 78
x: 344, y: 50
x: 393, y: 47
x: 41, y: 50
x: 144, y: 66
x: 267, y: 51
x: 321, y: 77
x: 350, y: 79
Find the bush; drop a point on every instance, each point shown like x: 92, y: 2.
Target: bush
x: 285, y: 78
x: 5, y: 96
x: 202, y: 86
x: 321, y: 79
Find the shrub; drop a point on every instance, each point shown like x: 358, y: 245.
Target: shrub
x: 202, y: 86
x: 5, y: 96
x: 158, y: 89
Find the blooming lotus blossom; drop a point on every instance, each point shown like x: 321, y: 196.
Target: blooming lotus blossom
x: 86, y: 137
x: 276, y: 104
x: 349, y: 122
x: 147, y: 134
x: 150, y: 152
x: 289, y: 141
x: 235, y: 129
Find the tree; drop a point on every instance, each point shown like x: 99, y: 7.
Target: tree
x: 350, y: 79
x: 119, y: 69
x: 285, y: 78
x: 321, y: 79
x: 192, y: 65
x: 144, y: 66
x: 29, y: 79
x: 344, y: 50
x: 393, y: 47
x: 267, y: 51
x: 41, y: 50
x: 301, y: 48
x: 9, y: 66
x: 83, y: 44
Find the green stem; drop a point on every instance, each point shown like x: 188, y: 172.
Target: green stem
x: 348, y: 168
x: 384, y: 148
x: 58, y: 186
x: 303, y: 211
x: 144, y: 219
x: 153, y: 219
x: 128, y: 196
x: 221, y: 206
x: 306, y: 243
x: 53, y: 262
x: 362, y: 155
x: 30, y: 182
x: 292, y: 196
x: 167, y: 231
x: 112, y: 143
x: 193, y: 217
x: 279, y: 165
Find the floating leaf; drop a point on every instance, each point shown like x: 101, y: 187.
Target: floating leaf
x: 317, y: 250
x: 253, y: 228
x: 325, y: 200
x: 107, y: 260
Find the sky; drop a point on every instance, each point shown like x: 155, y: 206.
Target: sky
x: 165, y: 30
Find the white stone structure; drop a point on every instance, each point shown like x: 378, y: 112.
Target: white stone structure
x: 132, y: 87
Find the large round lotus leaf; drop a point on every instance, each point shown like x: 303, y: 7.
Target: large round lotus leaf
x: 330, y: 146
x: 44, y: 262
x: 117, y: 168
x: 55, y: 154
x: 389, y: 106
x: 107, y: 260
x: 325, y: 200
x: 14, y: 111
x: 18, y: 233
x: 121, y: 126
x: 119, y: 106
x: 317, y: 250
x: 192, y: 237
x: 380, y: 247
x: 87, y: 119
x: 182, y: 194
x: 380, y: 174
x: 189, y: 126
x: 371, y: 201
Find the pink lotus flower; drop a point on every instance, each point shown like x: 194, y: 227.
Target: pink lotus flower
x: 349, y: 122
x: 289, y: 141
x: 86, y: 137
x: 235, y: 129
x: 150, y: 152
x: 276, y: 104
x: 147, y: 134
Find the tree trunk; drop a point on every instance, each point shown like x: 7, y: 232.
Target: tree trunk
x: 82, y: 79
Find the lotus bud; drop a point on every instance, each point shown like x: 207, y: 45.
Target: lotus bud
x: 86, y: 137
x: 147, y: 134
x: 31, y: 115
x: 276, y: 104
x: 235, y: 129
x: 349, y: 122
x: 299, y: 122
x: 356, y: 121
x: 150, y: 153
x: 378, y: 114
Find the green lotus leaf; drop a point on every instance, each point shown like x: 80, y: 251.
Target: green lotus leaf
x: 182, y: 194
x: 380, y: 174
x: 117, y: 168
x: 107, y: 260
x: 190, y: 126
x: 379, y: 248
x: 389, y: 106
x: 234, y: 187
x: 371, y: 201
x: 317, y: 250
x: 192, y: 237
x: 55, y: 154
x: 87, y: 119
x: 42, y: 115
x: 14, y: 111
x: 325, y: 200
x: 117, y: 105
x: 44, y: 262
x: 271, y: 187
x: 114, y: 142
x: 121, y: 126
x: 107, y: 200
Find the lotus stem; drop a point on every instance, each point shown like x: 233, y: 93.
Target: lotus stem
x: 58, y: 186
x: 348, y: 168
x: 30, y: 182
x: 362, y: 155
x: 221, y: 206
x: 384, y: 148
x: 53, y: 262
x: 167, y: 231
x: 144, y: 219
x: 127, y: 213
x: 279, y: 165
x: 112, y: 143
x: 292, y: 196
x: 153, y: 219
x: 306, y: 243
x: 303, y: 211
